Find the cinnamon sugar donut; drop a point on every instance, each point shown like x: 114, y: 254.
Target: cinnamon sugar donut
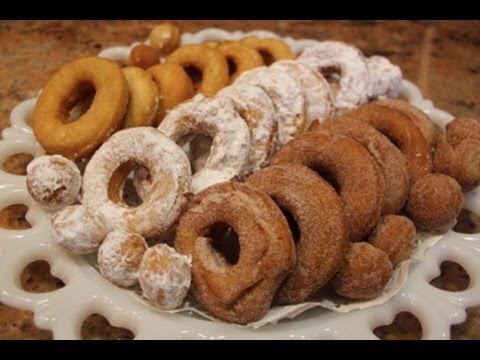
x: 386, y: 78
x: 461, y: 129
x: 119, y: 257
x: 165, y: 37
x: 239, y: 290
x: 320, y: 225
x: 169, y: 186
x: 318, y: 95
x: 394, y: 235
x: 402, y: 132
x: 242, y: 58
x: 364, y: 274
x: 53, y: 181
x: 352, y: 169
x: 165, y: 276
x: 354, y: 84
x: 271, y: 49
x: 390, y: 159
x: 287, y: 96
x: 144, y: 56
x: 215, y: 117
x: 434, y: 203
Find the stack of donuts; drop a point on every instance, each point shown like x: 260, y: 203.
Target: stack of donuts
x: 294, y: 175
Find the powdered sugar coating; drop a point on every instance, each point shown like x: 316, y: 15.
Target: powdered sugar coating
x: 349, y: 61
x: 165, y: 276
x: 318, y: 94
x: 119, y: 257
x: 287, y: 96
x: 53, y: 181
x: 169, y: 187
x: 78, y: 229
x: 385, y: 77
x: 217, y: 118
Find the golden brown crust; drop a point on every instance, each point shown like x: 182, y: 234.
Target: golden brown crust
x: 322, y: 226
x: 271, y: 49
x: 144, y: 56
x: 241, y: 292
x: 357, y: 174
x: 165, y: 37
x: 242, y: 56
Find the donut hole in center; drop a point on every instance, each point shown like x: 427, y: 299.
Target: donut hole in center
x: 333, y: 75
x: 292, y: 224
x: 232, y: 66
x: 199, y: 151
x: 121, y: 188
x: 328, y: 176
x: 267, y: 57
x: 79, y: 102
x: 195, y: 75
x: 224, y: 241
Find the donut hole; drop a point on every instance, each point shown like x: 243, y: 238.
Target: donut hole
x: 333, y: 75
x: 121, y: 189
x: 80, y: 102
x: 13, y: 217
x: 467, y: 222
x: 224, y: 241
x: 292, y: 224
x: 16, y: 164
x: 267, y: 57
x: 199, y: 151
x: 195, y: 75
x: 453, y: 277
x: 37, y: 278
x: 328, y: 176
x: 405, y: 326
x: 232, y: 65
x: 97, y: 327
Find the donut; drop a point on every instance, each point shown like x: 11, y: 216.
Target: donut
x: 168, y: 189
x: 165, y: 37
x: 240, y: 289
x: 174, y: 87
x: 78, y: 229
x: 394, y: 235
x: 318, y: 224
x: 79, y: 139
x: 364, y: 273
x: 165, y: 276
x: 287, y: 96
x: 328, y: 57
x: 461, y: 129
x: 434, y: 203
x: 143, y: 102
x: 271, y: 49
x: 210, y: 63
x: 402, y: 132
x: 53, y: 181
x: 318, y: 95
x: 119, y: 257
x: 240, y: 58
x: 386, y: 78
x: 349, y: 167
x: 144, y: 56
x: 217, y: 118
x: 390, y: 159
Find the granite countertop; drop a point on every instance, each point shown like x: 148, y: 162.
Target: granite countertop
x: 441, y: 57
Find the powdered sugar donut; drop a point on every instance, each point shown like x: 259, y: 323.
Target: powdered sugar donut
x: 318, y: 94
x: 385, y: 78
x: 165, y: 276
x: 287, y: 96
x: 354, y: 85
x: 215, y: 117
x: 53, y: 181
x: 169, y: 185
x: 119, y: 257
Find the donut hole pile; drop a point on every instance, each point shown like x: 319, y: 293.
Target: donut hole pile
x: 261, y: 210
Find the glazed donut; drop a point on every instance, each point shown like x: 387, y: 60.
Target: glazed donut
x: 386, y: 78
x: 169, y: 186
x: 364, y: 273
x: 240, y: 290
x: 354, y: 85
x: 53, y: 181
x: 78, y: 139
x: 78, y: 229
x: 240, y: 57
x: 318, y: 224
x: 271, y: 49
x: 461, y: 129
x: 287, y: 96
x: 174, y: 87
x: 434, y: 203
x: 165, y: 37
x: 318, y: 95
x: 119, y: 257
x: 165, y: 276
x: 353, y: 170
x: 394, y: 235
x: 215, y: 117
x: 389, y: 158
x: 143, y: 103
x: 212, y: 65
x: 400, y: 130
x: 144, y: 56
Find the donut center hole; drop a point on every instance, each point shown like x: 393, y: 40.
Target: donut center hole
x: 232, y: 66
x: 122, y: 189
x: 79, y: 103
x: 333, y: 75
x: 199, y: 151
x: 328, y: 177
x: 224, y: 241
x: 266, y: 56
x: 292, y: 224
x: 195, y: 75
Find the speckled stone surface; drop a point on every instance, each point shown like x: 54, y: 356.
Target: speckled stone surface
x: 441, y: 57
